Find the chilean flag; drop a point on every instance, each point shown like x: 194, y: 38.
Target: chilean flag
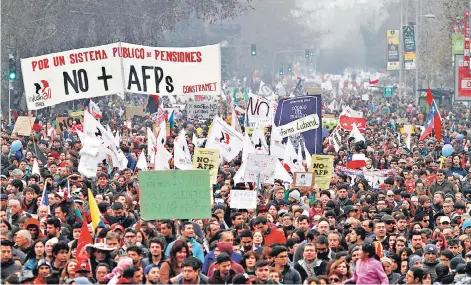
x: 434, y: 123
x: 356, y: 161
x: 94, y: 110
x: 374, y: 81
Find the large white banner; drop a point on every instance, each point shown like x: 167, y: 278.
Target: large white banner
x: 241, y: 199
x: 202, y: 110
x: 120, y: 67
x: 172, y: 71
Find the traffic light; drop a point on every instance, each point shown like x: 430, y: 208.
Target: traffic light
x: 253, y: 48
x: 311, y: 53
x: 281, y: 70
x: 11, y: 67
x: 307, y: 53
x: 289, y: 68
x: 311, y: 63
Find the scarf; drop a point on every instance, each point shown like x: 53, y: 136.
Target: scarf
x: 309, y: 267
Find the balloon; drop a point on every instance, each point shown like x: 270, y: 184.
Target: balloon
x: 447, y: 150
x: 16, y: 145
x: 460, y: 137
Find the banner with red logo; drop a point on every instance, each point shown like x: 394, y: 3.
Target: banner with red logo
x: 462, y: 79
x: 120, y: 67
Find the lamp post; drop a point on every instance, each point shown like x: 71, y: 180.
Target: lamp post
x: 418, y: 15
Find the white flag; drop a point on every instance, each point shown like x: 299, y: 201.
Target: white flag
x: 141, y: 161
x: 239, y: 176
x: 291, y: 157
x: 259, y: 141
x: 35, y: 169
x: 248, y: 148
x: 277, y: 148
x: 307, y: 154
x: 162, y: 158
x: 94, y: 110
x: 281, y: 173
x: 225, y: 138
x: 356, y: 134
x: 182, y: 156
x: 151, y: 145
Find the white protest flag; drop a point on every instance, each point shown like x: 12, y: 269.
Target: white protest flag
x: 108, y: 129
x: 248, y: 147
x: 35, y: 169
x: 141, y: 161
x: 291, y: 157
x: 277, y: 148
x: 239, y: 176
x: 281, y: 173
x: 162, y: 158
x: 151, y: 145
x: 225, y: 138
x: 408, y: 130
x: 182, y: 156
x: 80, y: 135
x: 300, y: 154
x: 94, y: 130
x: 259, y: 141
x: 161, y: 137
x: 356, y: 134
x: 307, y: 154
x: 117, y: 138
x: 94, y: 109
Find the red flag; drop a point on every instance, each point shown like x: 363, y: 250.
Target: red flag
x: 429, y: 97
x: 84, y: 239
x: 346, y: 123
x: 374, y: 81
x: 437, y: 126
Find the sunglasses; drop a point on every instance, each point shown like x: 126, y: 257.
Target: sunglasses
x: 334, y: 279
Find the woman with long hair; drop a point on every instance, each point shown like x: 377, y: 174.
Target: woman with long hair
x: 248, y: 262
x: 36, y: 253
x: 173, y: 266
x: 340, y: 268
x: 369, y: 270
x: 68, y: 273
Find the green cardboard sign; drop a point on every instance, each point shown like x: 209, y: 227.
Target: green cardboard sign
x: 175, y: 194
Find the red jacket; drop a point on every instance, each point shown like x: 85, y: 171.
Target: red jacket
x: 274, y: 235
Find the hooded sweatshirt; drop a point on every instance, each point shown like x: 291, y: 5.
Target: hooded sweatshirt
x: 227, y: 248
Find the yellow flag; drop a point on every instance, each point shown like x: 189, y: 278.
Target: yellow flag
x: 94, y: 211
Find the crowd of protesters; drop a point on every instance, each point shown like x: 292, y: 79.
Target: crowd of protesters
x: 415, y: 228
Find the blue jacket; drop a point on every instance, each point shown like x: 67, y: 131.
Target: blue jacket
x: 196, y: 248
x: 210, y: 259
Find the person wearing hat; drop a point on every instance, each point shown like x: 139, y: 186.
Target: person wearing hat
x: 393, y: 277
x: 82, y: 269
x: 43, y: 270
x: 431, y: 260
x: 100, y: 253
x: 224, y: 273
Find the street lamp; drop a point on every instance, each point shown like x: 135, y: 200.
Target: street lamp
x: 418, y: 15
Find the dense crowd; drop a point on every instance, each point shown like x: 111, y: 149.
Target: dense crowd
x: 412, y: 228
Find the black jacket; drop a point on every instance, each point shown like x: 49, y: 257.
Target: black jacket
x: 217, y: 279
x: 319, y: 268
